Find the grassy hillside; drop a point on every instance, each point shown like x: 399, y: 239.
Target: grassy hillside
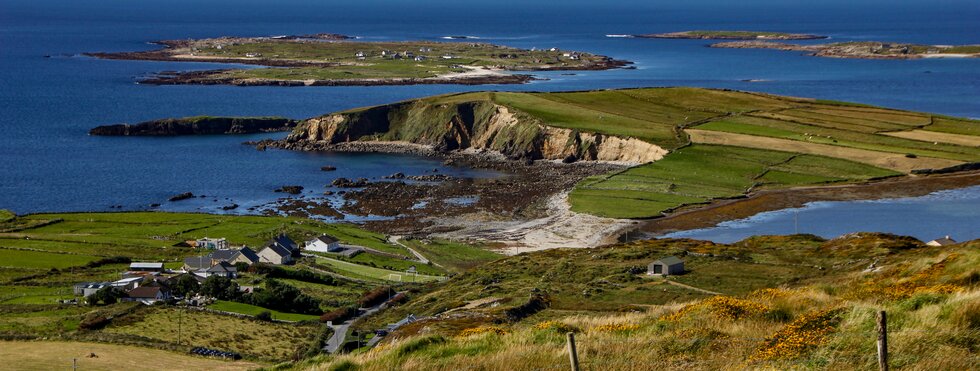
x: 751, y: 140
x: 794, y: 302
x: 43, y: 255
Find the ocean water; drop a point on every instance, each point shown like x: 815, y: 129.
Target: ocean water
x: 47, y: 104
x: 945, y: 213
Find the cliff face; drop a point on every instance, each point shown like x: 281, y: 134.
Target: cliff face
x: 477, y: 125
x: 198, y: 126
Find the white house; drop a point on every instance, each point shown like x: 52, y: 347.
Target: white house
x: 323, y: 243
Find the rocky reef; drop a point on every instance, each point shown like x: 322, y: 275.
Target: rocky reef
x: 199, y: 125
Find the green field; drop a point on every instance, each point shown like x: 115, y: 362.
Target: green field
x: 453, y: 256
x: 251, y: 310
x: 700, y: 173
x: 374, y: 274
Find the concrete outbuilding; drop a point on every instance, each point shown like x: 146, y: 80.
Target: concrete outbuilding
x: 666, y: 266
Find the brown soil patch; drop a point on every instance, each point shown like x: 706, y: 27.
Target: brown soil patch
x: 893, y: 161
x: 935, y: 136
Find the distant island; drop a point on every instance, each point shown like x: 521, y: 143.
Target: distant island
x: 332, y: 59
x: 864, y: 49
x: 198, y: 125
x: 731, y: 35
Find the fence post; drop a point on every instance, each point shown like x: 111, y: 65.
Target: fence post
x: 882, y: 341
x: 572, y: 353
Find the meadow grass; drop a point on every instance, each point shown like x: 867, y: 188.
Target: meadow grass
x: 264, y: 340
x: 824, y: 322
x: 53, y: 355
x: 372, y: 273
x: 454, y: 256
x: 252, y: 310
x: 40, y: 259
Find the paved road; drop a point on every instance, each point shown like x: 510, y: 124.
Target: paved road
x: 340, y: 331
x: 421, y: 258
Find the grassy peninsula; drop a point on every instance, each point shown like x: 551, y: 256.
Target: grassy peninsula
x: 686, y: 146
x: 307, y: 60
x: 864, y: 49
x: 731, y: 35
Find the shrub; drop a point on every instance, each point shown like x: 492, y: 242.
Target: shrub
x: 95, y: 321
x: 339, y: 315
x: 806, y: 332
x: 536, y: 303
x: 556, y: 326
x: 264, y: 316
x: 280, y: 296
x: 483, y: 330
x: 374, y: 297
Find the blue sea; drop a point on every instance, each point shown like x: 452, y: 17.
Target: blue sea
x: 50, y: 95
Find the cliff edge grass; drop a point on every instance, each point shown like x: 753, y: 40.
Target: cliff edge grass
x: 686, y: 146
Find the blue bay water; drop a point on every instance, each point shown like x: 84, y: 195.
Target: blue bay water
x: 48, y: 163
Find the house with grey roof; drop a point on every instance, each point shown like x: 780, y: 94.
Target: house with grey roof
x: 245, y: 255
x: 666, y: 266
x: 274, y: 253
x: 223, y: 269
x: 943, y: 241
x: 148, y: 294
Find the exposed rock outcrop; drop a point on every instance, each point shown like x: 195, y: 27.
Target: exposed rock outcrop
x: 200, y: 125
x: 479, y: 125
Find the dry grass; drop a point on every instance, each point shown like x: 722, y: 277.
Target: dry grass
x: 822, y: 325
x: 934, y: 136
x: 271, y: 341
x: 55, y: 355
x: 893, y: 161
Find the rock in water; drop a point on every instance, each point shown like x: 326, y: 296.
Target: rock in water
x: 293, y: 190
x: 182, y: 196
x: 200, y: 125
x: 327, y: 168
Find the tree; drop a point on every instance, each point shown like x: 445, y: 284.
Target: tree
x: 185, y: 285
x: 280, y: 296
x: 222, y: 288
x: 107, y: 295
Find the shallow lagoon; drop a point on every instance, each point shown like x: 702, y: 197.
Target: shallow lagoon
x: 953, y: 212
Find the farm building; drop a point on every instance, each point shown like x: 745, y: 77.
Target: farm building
x: 146, y: 267
x: 323, y: 243
x: 666, y: 266
x: 941, y: 241
x: 86, y: 289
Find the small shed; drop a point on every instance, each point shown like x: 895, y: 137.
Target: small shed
x: 666, y: 266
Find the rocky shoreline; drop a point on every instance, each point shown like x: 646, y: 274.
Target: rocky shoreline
x: 214, y: 77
